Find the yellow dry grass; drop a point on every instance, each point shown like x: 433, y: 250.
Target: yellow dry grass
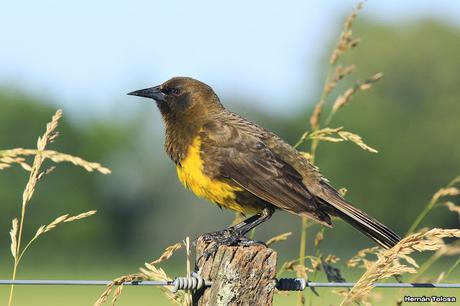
x: 453, y: 208
x: 151, y: 272
x: 448, y: 190
x: 345, y: 98
x: 13, y: 156
x: 40, y: 154
x: 339, y: 135
x: 278, y: 238
x: 346, y: 40
x: 389, y: 264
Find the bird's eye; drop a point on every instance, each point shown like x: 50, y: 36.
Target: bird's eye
x: 176, y: 91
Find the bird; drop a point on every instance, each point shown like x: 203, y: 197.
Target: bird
x: 239, y: 165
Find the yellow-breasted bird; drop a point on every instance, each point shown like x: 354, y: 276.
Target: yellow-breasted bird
x: 239, y: 165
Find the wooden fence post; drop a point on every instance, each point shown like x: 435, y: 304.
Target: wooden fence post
x: 240, y: 275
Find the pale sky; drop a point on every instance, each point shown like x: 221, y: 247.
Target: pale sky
x: 84, y: 55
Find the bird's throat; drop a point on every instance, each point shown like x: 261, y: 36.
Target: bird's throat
x: 178, y: 138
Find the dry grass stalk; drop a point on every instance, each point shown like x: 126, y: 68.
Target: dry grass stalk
x: 278, y: 238
x: 345, y: 98
x: 315, y: 262
x: 331, y: 259
x: 302, y: 271
x: 30, y: 188
x: 148, y: 272
x: 346, y: 41
x: 77, y: 161
x: 315, y: 116
x: 49, y: 135
x: 188, y: 294
x: 453, y: 267
x: 287, y: 266
x: 116, y: 282
x: 339, y: 74
x: 16, y: 156
x: 440, y: 277
x: 153, y: 273
x: 343, y: 191
x: 14, y: 238
x: 334, y: 75
x: 329, y: 134
x: 443, y: 192
x: 295, y: 265
x: 454, y: 181
x: 46, y: 228
x: 355, y: 138
x: 324, y: 132
x: 128, y: 278
x: 452, y: 249
x: 307, y: 156
x: 7, y: 161
x: 318, y: 238
x: 375, y: 297
x: 301, y: 139
x: 327, y: 138
x: 388, y: 264
x: 56, y: 157
x: 62, y: 219
x: 168, y: 252
x: 453, y: 208
x: 448, y: 190
x: 81, y: 216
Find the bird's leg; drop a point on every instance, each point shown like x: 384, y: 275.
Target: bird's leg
x: 248, y: 224
x: 235, y: 235
x: 239, y: 230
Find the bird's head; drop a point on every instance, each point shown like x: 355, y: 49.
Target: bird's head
x: 182, y: 97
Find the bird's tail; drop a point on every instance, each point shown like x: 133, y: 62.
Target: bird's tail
x: 370, y: 227
x: 362, y: 222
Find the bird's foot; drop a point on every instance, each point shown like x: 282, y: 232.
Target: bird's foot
x: 228, y: 237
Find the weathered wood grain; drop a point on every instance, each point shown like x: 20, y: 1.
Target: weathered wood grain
x: 240, y: 275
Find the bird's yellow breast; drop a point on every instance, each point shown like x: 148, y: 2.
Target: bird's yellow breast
x: 191, y: 175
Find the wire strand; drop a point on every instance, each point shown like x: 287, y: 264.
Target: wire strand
x: 196, y: 282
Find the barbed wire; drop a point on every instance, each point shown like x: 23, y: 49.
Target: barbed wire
x: 299, y: 284
x: 196, y: 282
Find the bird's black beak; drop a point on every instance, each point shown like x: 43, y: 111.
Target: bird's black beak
x: 152, y: 92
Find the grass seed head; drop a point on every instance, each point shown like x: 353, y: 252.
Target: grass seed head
x: 388, y: 264
x: 14, y: 237
x: 278, y: 238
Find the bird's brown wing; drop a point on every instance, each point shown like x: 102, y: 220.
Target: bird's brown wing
x: 271, y: 169
x: 244, y: 158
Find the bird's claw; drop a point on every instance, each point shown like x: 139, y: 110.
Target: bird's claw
x: 228, y: 237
